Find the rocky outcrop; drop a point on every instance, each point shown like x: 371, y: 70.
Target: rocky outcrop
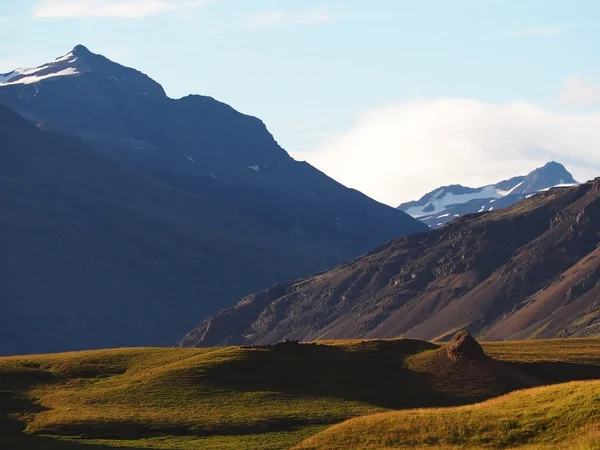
x: 464, y: 347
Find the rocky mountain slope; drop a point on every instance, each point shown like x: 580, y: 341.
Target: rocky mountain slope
x: 446, y: 203
x: 530, y: 270
x: 154, y: 212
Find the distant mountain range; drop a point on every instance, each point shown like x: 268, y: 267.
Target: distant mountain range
x: 446, y: 203
x: 128, y: 216
x: 531, y: 270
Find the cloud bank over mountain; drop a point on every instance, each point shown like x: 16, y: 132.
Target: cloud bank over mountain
x: 397, y: 152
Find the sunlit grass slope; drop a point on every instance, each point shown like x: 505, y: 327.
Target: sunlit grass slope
x: 248, y: 398
x: 559, y: 416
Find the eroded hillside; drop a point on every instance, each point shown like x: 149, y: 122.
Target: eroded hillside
x: 530, y: 270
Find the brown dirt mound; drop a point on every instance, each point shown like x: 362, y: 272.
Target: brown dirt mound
x: 463, y: 346
x: 463, y: 366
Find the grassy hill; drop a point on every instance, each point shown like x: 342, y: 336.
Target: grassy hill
x: 271, y: 397
x: 566, y: 416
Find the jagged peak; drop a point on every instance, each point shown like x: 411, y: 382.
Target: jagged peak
x: 551, y: 173
x: 551, y: 165
x: 555, y: 164
x: 79, y: 61
x: 80, y: 50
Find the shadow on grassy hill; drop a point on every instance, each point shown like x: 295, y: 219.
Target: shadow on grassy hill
x: 14, y: 409
x: 378, y: 373
x: 393, y: 374
x: 257, y: 397
x: 561, y: 416
x: 551, y: 372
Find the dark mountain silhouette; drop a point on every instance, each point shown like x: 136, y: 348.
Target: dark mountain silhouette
x: 96, y: 254
x: 444, y: 204
x: 203, y: 146
x: 170, y: 210
x: 530, y: 270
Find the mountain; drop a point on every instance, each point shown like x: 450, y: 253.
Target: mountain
x: 113, y: 236
x: 446, y: 203
x: 97, y: 254
x: 202, y: 146
x: 530, y: 270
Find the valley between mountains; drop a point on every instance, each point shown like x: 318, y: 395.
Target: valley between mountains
x: 171, y: 278
x: 129, y: 218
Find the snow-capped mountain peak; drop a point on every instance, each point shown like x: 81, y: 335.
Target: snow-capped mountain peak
x: 82, y: 62
x: 448, y: 202
x: 61, y: 66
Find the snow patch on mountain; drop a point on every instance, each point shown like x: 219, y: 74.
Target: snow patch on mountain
x: 441, y: 199
x: 37, y: 78
x: 4, y: 77
x: 561, y: 185
x: 449, y: 202
x: 67, y: 57
x: 505, y: 193
x: 59, y: 68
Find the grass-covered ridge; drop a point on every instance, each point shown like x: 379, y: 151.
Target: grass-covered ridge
x: 566, y: 415
x: 253, y: 398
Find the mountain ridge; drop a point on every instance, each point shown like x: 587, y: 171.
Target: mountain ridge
x: 139, y: 214
x: 202, y: 146
x: 444, y: 204
x: 473, y: 274
x: 84, y: 266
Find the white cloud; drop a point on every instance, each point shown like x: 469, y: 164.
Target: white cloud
x: 283, y: 18
x: 398, y: 153
x: 576, y: 91
x: 311, y: 130
x: 122, y: 9
x: 538, y: 31
x: 319, y: 134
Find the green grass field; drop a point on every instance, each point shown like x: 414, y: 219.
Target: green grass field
x: 565, y: 415
x: 258, y: 398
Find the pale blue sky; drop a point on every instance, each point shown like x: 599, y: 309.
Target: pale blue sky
x: 312, y: 69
